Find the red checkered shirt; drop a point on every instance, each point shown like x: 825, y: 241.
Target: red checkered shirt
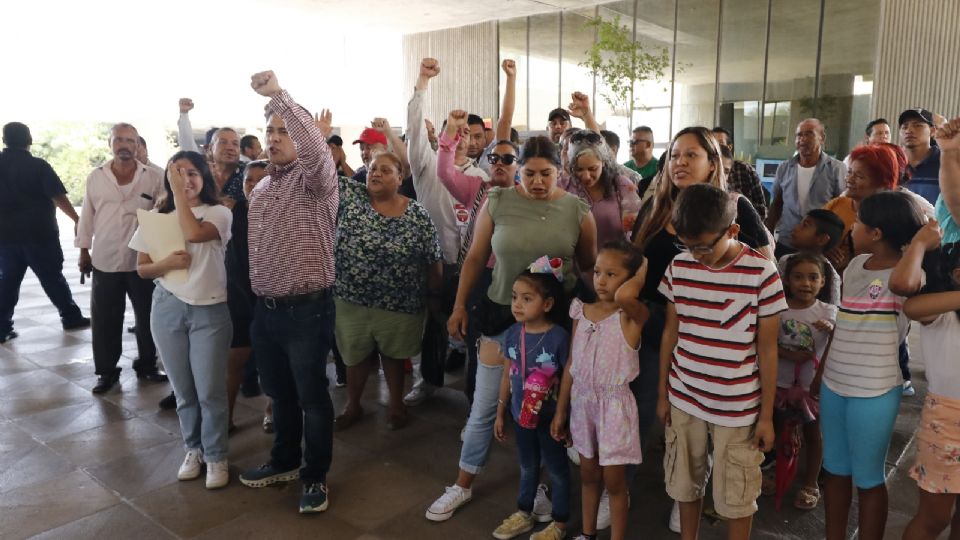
x: 293, y: 213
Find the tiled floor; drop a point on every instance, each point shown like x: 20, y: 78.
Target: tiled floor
x: 76, y: 466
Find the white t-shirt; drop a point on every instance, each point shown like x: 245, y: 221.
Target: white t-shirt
x: 939, y: 343
x: 804, y: 179
x: 798, y: 333
x: 207, y: 281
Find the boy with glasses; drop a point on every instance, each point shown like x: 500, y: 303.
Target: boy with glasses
x: 718, y: 365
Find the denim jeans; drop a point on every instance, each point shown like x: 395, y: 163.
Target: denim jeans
x: 483, y: 413
x: 46, y: 261
x: 532, y: 445
x: 903, y: 354
x: 193, y: 342
x: 291, y: 346
x: 473, y: 330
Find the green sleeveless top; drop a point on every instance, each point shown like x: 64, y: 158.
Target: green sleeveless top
x: 525, y: 230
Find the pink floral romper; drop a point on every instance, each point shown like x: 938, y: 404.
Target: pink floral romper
x: 603, y: 411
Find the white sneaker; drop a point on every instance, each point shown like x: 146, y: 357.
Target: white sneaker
x: 420, y: 392
x: 192, y: 463
x: 603, y: 511
x: 453, y: 497
x: 542, y: 507
x: 675, y: 518
x: 218, y: 474
x: 573, y: 455
x: 908, y: 389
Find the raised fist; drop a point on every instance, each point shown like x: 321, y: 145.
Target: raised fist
x: 265, y: 83
x: 509, y: 67
x: 382, y: 125
x: 429, y: 68
x: 580, y: 106
x: 948, y: 135
x: 186, y: 105
x: 456, y: 122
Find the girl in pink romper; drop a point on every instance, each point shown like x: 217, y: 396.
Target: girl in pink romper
x: 604, y: 425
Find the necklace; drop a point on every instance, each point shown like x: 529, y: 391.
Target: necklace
x: 523, y: 349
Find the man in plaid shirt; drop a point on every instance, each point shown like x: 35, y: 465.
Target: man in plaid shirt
x: 741, y: 177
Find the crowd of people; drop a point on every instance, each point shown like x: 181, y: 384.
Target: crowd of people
x: 590, y: 299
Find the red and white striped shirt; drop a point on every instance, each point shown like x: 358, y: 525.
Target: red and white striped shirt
x: 714, y: 373
x: 293, y: 212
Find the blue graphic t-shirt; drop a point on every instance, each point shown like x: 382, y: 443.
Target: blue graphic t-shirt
x: 547, y: 353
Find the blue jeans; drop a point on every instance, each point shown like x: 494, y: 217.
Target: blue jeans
x: 291, y: 346
x: 193, y: 342
x: 532, y: 444
x: 483, y: 413
x: 46, y: 261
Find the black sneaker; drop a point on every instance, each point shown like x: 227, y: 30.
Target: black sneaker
x: 169, y: 403
x: 77, y: 324
x: 152, y: 375
x: 267, y: 474
x: 8, y: 336
x: 106, y: 382
x: 314, y: 498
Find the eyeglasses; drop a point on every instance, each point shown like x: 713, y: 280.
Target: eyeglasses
x: 634, y: 142
x: 507, y: 159
x: 702, y: 250
x: 587, y: 135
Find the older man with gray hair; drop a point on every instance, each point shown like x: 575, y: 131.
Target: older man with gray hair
x: 114, y: 193
x: 806, y: 181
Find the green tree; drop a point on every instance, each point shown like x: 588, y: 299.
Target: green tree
x: 618, y: 62
x: 73, y: 149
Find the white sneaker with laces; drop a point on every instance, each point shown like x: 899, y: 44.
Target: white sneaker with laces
x: 443, y: 508
x: 603, y: 511
x: 218, y: 474
x: 420, y: 392
x: 542, y: 506
x: 675, y: 518
x: 192, y: 463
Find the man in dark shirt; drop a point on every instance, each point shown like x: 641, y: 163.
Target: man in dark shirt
x: 29, y: 236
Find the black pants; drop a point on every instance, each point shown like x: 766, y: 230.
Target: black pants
x: 107, y: 305
x: 46, y: 261
x: 433, y: 353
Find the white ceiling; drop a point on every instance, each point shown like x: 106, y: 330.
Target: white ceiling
x: 410, y: 16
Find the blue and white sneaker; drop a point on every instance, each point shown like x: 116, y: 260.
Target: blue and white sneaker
x: 314, y: 498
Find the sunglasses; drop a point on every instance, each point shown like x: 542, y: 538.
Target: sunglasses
x: 507, y: 159
x: 634, y: 143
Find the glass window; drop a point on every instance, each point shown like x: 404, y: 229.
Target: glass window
x: 544, y: 66
x: 846, y: 72
x: 791, y: 71
x: 513, y: 45
x: 742, y: 42
x: 577, y: 39
x: 696, y: 69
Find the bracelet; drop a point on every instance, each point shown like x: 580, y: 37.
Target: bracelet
x: 501, y: 402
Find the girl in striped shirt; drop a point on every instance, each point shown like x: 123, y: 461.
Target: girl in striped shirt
x: 861, y: 389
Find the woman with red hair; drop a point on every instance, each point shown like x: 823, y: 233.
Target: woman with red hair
x: 873, y: 168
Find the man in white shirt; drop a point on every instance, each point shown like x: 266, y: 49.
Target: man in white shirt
x: 114, y: 192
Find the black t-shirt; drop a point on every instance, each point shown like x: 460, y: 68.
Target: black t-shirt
x: 662, y: 248
x: 27, y: 187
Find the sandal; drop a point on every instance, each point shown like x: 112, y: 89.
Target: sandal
x: 768, y: 486
x: 397, y: 421
x: 345, y: 420
x: 807, y: 498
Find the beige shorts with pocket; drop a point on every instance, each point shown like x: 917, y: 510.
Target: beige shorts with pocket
x: 736, y: 466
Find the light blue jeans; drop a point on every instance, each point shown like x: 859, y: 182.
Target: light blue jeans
x: 483, y: 414
x: 193, y: 342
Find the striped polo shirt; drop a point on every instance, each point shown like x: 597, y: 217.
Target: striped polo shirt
x: 863, y: 361
x: 714, y: 374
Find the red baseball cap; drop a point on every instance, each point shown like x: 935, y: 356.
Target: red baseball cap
x: 371, y: 136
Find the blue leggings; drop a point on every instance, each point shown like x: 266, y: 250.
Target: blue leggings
x: 856, y: 434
